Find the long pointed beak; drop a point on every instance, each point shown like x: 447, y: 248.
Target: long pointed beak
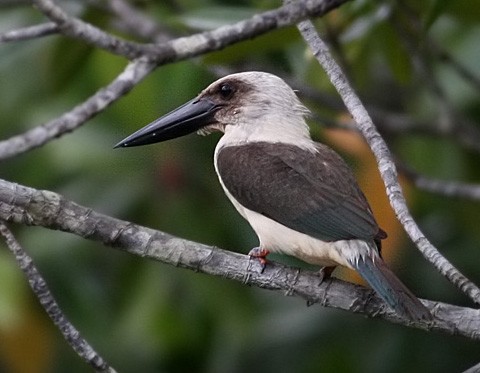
x: 186, y: 119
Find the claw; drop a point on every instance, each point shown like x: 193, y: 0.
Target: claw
x: 261, y: 255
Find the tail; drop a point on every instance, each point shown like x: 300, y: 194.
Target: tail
x: 391, y: 289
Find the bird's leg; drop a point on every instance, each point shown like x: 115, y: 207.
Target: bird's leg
x: 260, y: 254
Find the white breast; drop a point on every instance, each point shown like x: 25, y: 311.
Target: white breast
x: 278, y: 238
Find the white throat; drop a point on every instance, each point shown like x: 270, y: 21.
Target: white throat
x: 274, y: 129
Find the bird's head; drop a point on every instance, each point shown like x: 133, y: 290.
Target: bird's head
x: 248, y: 100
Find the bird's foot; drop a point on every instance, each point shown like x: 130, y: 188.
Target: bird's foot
x: 261, y: 255
x: 325, y: 273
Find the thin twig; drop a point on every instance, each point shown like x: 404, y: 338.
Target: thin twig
x: 31, y: 32
x: 443, y: 187
x: 464, y: 132
x: 67, y: 122
x: 24, y: 205
x: 386, y: 165
x: 47, y: 301
x: 76, y: 28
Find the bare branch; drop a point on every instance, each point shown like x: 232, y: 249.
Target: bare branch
x: 47, y: 301
x: 386, y: 165
x: 463, y: 131
x: 31, y: 32
x: 40, y: 135
x: 79, y: 29
x: 221, y: 37
x: 189, y: 46
x: 446, y: 188
x: 23, y: 205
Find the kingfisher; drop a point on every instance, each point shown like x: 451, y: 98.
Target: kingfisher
x: 298, y: 195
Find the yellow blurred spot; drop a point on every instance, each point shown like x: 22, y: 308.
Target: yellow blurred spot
x: 27, y: 344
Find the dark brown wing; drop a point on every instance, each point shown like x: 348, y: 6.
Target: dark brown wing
x: 311, y: 192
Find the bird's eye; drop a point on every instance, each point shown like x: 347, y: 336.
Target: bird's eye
x: 226, y: 90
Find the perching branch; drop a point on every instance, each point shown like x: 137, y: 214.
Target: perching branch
x: 23, y: 205
x: 386, y: 165
x: 47, y: 301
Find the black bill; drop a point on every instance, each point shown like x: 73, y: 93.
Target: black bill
x: 186, y: 119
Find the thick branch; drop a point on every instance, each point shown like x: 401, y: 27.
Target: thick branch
x: 23, y: 205
x: 386, y: 165
x: 47, y: 301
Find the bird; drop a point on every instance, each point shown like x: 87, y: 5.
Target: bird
x: 299, y: 196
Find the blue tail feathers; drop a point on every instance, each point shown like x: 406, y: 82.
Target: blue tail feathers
x: 391, y: 289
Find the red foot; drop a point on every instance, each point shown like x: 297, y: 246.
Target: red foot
x: 259, y: 254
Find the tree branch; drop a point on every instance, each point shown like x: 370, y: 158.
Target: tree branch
x: 443, y: 187
x: 47, y: 301
x: 193, y: 45
x: 31, y: 32
x: 69, y: 121
x: 175, y: 50
x: 78, y: 29
x: 386, y: 165
x: 23, y: 205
